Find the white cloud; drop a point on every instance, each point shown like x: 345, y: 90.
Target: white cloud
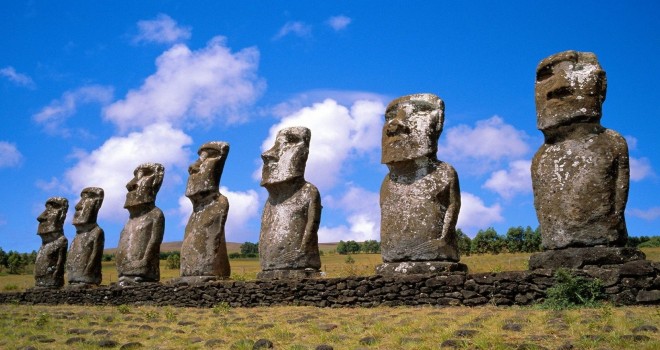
x: 9, y: 155
x: 111, y: 165
x: 640, y: 168
x: 363, y: 216
x: 490, y: 141
x: 508, y: 183
x: 632, y: 142
x: 243, y: 207
x: 649, y: 214
x: 339, y: 22
x: 475, y: 215
x: 193, y: 87
x: 337, y: 131
x: 20, y: 79
x: 296, y: 28
x: 53, y: 116
x: 49, y: 186
x: 162, y: 30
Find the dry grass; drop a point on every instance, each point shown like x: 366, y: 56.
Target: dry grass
x: 307, y: 327
x: 334, y: 265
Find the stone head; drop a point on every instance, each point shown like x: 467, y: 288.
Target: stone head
x: 570, y: 88
x: 205, y: 172
x: 144, y: 186
x: 286, y: 160
x: 52, y: 218
x: 88, y: 206
x: 412, y: 127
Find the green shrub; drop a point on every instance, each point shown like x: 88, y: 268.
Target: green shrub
x: 571, y: 291
x: 124, y: 309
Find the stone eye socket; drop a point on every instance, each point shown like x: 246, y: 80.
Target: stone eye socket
x: 544, y: 73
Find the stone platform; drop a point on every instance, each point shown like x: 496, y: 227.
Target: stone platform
x: 419, y: 268
x: 576, y: 258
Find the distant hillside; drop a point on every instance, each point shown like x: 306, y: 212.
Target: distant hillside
x: 231, y: 247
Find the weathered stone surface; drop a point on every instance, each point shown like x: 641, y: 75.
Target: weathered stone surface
x: 648, y: 296
x: 420, y: 196
x: 415, y: 267
x: 579, y: 257
x: 138, y: 253
x: 204, y: 250
x: 580, y: 174
x: 292, y: 213
x: 49, y: 265
x: 83, y: 264
x: 289, y: 274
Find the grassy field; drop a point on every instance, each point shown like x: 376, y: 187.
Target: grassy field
x: 223, y: 327
x: 77, y: 327
x: 334, y: 265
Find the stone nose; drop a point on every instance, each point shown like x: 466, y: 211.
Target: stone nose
x: 269, y: 156
x: 194, y: 167
x: 395, y: 127
x: 132, y: 185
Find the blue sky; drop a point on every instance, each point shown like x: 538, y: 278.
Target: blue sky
x: 89, y: 90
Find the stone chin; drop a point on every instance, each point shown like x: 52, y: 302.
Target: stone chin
x: 278, y: 178
x: 554, y: 114
x: 134, y: 199
x: 200, y: 184
x: 47, y: 228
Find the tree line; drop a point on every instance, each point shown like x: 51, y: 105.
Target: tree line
x: 14, y: 262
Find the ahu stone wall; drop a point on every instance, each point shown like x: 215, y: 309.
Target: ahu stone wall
x: 632, y: 283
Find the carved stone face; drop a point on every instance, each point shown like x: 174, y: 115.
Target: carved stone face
x: 287, y: 158
x: 52, y: 218
x: 570, y: 88
x: 206, y: 171
x: 88, y: 206
x: 144, y: 186
x: 413, y: 124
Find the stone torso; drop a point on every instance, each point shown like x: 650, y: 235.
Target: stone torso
x: 413, y: 216
x: 577, y: 199
x: 204, y: 250
x: 139, y: 246
x: 288, y: 238
x: 49, y: 265
x: 85, y: 255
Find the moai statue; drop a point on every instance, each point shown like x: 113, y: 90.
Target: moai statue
x: 288, y: 242
x: 580, y: 174
x: 83, y: 266
x: 420, y: 197
x: 49, y: 266
x: 139, y: 243
x: 204, y: 250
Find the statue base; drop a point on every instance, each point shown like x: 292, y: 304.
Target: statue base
x: 288, y: 274
x: 576, y: 258
x: 419, y: 268
x: 126, y: 281
x: 80, y: 286
x: 194, y: 280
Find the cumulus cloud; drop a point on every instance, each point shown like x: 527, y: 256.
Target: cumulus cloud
x: 362, y: 211
x: 296, y: 28
x: 648, y: 214
x: 640, y: 168
x: 53, y: 116
x: 17, y: 78
x: 475, y: 215
x: 243, y: 206
x: 9, y: 155
x: 339, y: 22
x: 337, y: 132
x: 508, y: 183
x: 111, y: 165
x: 192, y: 87
x: 484, y: 145
x: 163, y: 30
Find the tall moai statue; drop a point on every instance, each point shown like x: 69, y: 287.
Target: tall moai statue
x: 288, y: 242
x: 83, y: 266
x: 580, y: 175
x: 420, y: 196
x: 139, y: 243
x: 49, y: 266
x: 204, y: 250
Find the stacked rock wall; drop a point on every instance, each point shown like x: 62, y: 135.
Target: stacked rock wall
x: 636, y: 282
